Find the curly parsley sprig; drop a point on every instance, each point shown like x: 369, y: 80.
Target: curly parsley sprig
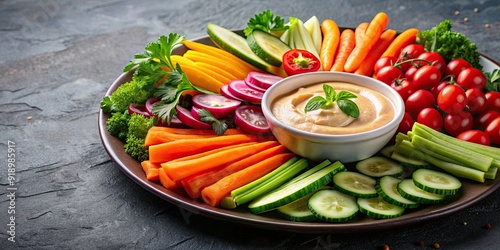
x: 342, y: 99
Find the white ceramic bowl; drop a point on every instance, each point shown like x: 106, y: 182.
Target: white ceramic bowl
x: 318, y: 147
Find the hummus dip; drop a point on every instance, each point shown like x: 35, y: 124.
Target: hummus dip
x: 375, y: 110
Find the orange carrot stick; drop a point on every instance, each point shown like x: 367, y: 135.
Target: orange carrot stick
x: 347, y: 42
x: 331, y: 38
x: 405, y: 38
x: 209, y: 152
x: 195, y: 184
x: 214, y: 193
x: 168, y: 151
x: 158, y: 134
x: 372, y: 34
x: 166, y: 181
x: 360, y: 31
x: 366, y: 68
x: 178, y: 170
x: 151, y: 170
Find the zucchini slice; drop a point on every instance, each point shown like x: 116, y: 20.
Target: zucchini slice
x: 378, y: 166
x: 411, y: 192
x: 268, y: 47
x: 378, y: 208
x: 333, y: 206
x: 355, y: 184
x: 387, y: 189
x: 436, y: 182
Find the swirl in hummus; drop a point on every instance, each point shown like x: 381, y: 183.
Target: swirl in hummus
x: 375, y: 110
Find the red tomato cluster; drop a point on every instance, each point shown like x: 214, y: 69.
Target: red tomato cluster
x: 446, y: 96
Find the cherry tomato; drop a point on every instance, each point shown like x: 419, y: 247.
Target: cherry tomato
x: 454, y: 124
x: 455, y: 66
x: 471, y: 78
x: 388, y: 74
x: 403, y: 87
x: 476, y: 101
x: 410, y: 73
x: 426, y: 77
x: 435, y: 59
x: 251, y: 119
x: 452, y: 99
x: 493, y: 131
x: 431, y: 118
x: 475, y: 136
x: 406, y: 124
x: 410, y: 52
x: 298, y: 61
x: 436, y: 89
x: 384, y: 61
x: 493, y: 101
x: 483, y: 120
x: 419, y: 100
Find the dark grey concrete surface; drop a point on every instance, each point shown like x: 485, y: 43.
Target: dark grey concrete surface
x: 57, y: 59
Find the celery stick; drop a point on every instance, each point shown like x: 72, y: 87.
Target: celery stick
x: 257, y: 182
x: 491, y: 174
x: 455, y: 169
x: 228, y: 202
x: 468, y: 158
x: 273, y: 183
x: 492, y: 152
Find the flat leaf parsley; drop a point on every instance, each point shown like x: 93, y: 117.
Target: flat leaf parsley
x: 342, y: 99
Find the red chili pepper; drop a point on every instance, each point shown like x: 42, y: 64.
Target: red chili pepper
x: 298, y: 61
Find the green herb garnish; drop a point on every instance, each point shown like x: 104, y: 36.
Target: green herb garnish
x: 492, y: 80
x: 218, y: 126
x: 266, y: 21
x: 331, y: 97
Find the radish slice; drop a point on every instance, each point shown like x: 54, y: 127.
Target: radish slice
x: 250, y: 118
x: 194, y: 113
x: 150, y: 103
x: 224, y: 90
x: 185, y: 117
x: 220, y: 106
x: 138, y: 109
x: 262, y: 80
x: 253, y: 86
x: 241, y: 90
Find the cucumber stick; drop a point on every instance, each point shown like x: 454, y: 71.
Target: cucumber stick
x: 268, y: 47
x: 296, y: 188
x: 333, y: 206
x: 238, y: 45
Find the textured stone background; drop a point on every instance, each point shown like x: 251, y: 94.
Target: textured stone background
x: 57, y: 59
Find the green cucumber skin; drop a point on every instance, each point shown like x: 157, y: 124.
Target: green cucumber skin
x: 377, y: 215
x: 421, y: 200
x: 347, y: 191
x: 387, y: 198
x: 327, y: 174
x: 324, y: 217
x: 419, y: 177
x: 270, y: 57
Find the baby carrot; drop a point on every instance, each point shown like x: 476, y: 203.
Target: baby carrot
x: 372, y: 34
x: 331, y: 38
x: 406, y: 37
x: 178, y: 170
x: 360, y: 31
x: 366, y: 68
x: 214, y: 193
x: 347, y: 42
x: 166, y: 181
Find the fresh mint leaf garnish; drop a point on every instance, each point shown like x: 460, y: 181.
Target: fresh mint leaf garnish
x: 342, y: 99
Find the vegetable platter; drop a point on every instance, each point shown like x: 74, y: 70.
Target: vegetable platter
x: 132, y: 161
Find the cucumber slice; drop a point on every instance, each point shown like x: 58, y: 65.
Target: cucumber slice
x: 378, y: 166
x: 388, y: 151
x: 387, y: 189
x: 295, y: 189
x: 299, y: 210
x: 238, y: 45
x: 355, y: 184
x: 379, y: 208
x: 411, y: 192
x: 409, y: 161
x: 267, y: 47
x: 333, y: 206
x: 436, y: 182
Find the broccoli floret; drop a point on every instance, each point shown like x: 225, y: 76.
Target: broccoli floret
x: 117, y: 125
x: 449, y: 44
x: 139, y: 125
x: 135, y: 147
x: 135, y: 91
